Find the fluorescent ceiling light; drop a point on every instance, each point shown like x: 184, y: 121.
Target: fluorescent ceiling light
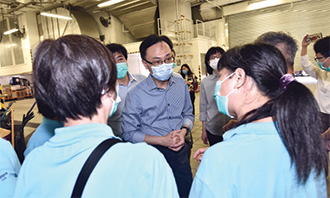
x: 55, y: 16
x: 255, y: 1
x: 10, y: 31
x: 263, y: 4
x: 108, y: 3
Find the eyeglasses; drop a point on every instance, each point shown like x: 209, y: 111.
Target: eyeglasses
x: 213, y: 56
x: 159, y: 62
x: 318, y: 58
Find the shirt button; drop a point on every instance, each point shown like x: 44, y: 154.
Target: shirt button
x: 170, y: 117
x: 168, y: 104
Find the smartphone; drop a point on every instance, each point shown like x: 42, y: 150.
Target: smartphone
x: 314, y: 37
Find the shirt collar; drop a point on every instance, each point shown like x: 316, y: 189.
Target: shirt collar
x: 214, y: 76
x: 131, y: 79
x: 66, y: 135
x: 152, y: 85
x: 251, y: 129
x: 51, y: 122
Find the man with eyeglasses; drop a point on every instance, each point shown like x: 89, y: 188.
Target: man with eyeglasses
x: 321, y: 73
x: 158, y: 110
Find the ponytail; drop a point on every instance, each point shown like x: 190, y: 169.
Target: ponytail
x: 292, y: 106
x: 296, y: 113
x: 297, y: 121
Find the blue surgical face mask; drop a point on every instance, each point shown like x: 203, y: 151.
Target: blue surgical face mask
x: 321, y: 65
x: 222, y: 101
x: 121, y: 70
x: 115, y: 102
x: 162, y: 72
x: 174, y: 65
x: 184, y: 72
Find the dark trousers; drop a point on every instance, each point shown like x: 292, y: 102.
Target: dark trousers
x: 213, y: 139
x: 180, y: 165
x: 192, y: 97
x: 189, y: 141
x: 325, y: 121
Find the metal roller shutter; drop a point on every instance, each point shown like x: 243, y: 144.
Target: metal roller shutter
x: 297, y: 19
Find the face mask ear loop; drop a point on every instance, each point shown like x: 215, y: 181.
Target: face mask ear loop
x: 228, y: 76
x: 325, y: 60
x: 231, y: 92
x: 118, y: 99
x: 224, y: 81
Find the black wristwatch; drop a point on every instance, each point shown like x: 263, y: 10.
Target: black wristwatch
x: 184, y: 127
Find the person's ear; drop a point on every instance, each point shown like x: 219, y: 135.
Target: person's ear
x: 104, y: 99
x: 240, y: 77
x: 147, y: 67
x: 145, y: 64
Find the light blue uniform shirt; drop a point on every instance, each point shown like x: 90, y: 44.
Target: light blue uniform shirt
x: 208, y: 110
x: 9, y: 169
x: 150, y: 110
x: 42, y: 134
x: 126, y: 170
x: 115, y: 120
x: 251, y: 162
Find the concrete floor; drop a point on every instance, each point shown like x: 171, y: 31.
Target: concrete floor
x: 21, y: 107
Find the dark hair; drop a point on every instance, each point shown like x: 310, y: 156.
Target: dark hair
x: 211, y: 51
x: 115, y: 47
x: 322, y: 46
x: 189, y: 71
x: 69, y: 77
x: 151, y: 40
x: 294, y: 109
x: 274, y: 38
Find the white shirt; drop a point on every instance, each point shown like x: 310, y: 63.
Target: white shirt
x: 322, y: 93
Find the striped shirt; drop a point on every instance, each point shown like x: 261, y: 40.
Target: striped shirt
x: 154, y: 111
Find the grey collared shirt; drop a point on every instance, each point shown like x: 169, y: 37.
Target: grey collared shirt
x: 214, y: 120
x: 150, y: 110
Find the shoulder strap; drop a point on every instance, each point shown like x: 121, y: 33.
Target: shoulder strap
x: 90, y: 164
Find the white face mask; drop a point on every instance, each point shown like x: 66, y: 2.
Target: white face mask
x: 162, y: 72
x: 214, y: 63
